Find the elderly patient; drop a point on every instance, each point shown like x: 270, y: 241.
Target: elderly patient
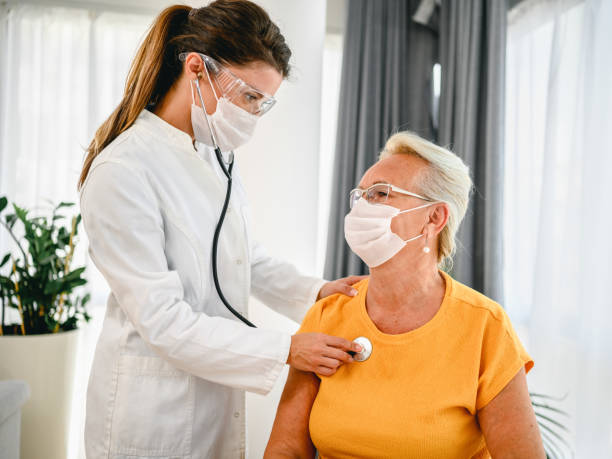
x: 446, y: 374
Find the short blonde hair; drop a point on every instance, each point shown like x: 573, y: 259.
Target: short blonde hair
x: 447, y: 179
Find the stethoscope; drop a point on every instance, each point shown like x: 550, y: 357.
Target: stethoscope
x: 227, y: 171
x: 365, y: 343
x: 366, y: 349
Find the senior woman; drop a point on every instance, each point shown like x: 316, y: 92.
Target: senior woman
x: 446, y: 373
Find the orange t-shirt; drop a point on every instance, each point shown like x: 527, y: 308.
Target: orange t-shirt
x: 418, y: 394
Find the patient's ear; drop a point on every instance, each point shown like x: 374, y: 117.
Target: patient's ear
x: 438, y: 217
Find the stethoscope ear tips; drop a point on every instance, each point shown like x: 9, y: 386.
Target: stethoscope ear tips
x: 366, y: 349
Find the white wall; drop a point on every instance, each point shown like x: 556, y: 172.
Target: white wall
x: 280, y: 164
x: 330, y: 94
x: 280, y: 169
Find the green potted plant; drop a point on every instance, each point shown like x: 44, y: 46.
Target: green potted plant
x: 42, y: 306
x: 551, y: 420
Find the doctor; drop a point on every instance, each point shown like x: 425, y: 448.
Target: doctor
x: 172, y: 362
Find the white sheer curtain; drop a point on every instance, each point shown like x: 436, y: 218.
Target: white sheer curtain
x: 558, y: 216
x: 62, y: 71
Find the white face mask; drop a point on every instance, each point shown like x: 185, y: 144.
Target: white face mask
x: 367, y: 230
x: 232, y: 125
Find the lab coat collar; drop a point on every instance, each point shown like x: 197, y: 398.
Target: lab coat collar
x: 165, y: 132
x: 175, y: 138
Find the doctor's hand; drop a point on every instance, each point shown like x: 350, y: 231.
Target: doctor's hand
x: 320, y: 353
x: 343, y: 285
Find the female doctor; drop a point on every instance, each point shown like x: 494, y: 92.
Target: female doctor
x: 172, y: 362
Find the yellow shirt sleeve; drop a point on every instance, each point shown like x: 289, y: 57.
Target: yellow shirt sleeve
x: 502, y: 357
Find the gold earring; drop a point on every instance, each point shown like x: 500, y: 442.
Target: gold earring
x: 199, y: 75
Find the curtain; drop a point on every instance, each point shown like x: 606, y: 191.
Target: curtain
x: 472, y: 46
x: 38, y: 159
x: 557, y: 206
x: 385, y: 87
x: 62, y: 72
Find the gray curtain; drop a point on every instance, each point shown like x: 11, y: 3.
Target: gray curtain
x: 472, y: 57
x: 385, y: 87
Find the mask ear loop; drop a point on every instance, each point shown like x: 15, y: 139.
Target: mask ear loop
x: 425, y: 249
x: 217, y: 149
x: 417, y: 208
x: 196, y: 83
x: 413, y: 238
x: 210, y: 82
x: 192, y: 85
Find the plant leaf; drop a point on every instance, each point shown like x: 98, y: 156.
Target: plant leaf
x: 549, y: 397
x: 75, y: 283
x: 47, y: 259
x: 553, y: 421
x: 10, y: 220
x: 545, y: 428
x: 3, y: 203
x: 22, y: 214
x: 548, y: 407
x: 75, y: 274
x: 550, y: 447
x: 5, y: 259
x: 64, y: 204
x: 53, y: 287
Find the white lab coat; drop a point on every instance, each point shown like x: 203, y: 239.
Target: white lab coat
x: 172, y: 363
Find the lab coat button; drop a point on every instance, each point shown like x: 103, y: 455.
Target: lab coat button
x: 238, y: 262
x: 236, y: 414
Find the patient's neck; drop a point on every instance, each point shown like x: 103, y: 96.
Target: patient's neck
x: 407, y: 282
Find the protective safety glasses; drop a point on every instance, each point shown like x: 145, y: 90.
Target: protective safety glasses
x: 234, y: 89
x: 379, y: 194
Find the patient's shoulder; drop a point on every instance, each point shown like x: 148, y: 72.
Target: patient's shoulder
x: 332, y: 308
x: 339, y: 299
x: 475, y: 302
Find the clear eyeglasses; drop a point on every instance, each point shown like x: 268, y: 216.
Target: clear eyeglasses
x: 379, y: 194
x: 234, y: 89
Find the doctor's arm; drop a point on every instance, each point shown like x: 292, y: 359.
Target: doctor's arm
x: 126, y: 242
x: 282, y: 287
x: 290, y: 437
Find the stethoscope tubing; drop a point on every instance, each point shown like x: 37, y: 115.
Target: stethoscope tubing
x: 228, y: 173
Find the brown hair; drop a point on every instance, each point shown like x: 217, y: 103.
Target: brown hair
x: 230, y: 31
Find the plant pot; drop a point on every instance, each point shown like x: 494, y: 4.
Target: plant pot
x: 46, y: 363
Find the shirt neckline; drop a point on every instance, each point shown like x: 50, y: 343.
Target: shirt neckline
x: 412, y: 334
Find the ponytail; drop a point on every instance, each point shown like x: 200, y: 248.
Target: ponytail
x: 143, y: 82
x: 231, y: 31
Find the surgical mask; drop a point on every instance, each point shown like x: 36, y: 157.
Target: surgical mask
x: 232, y: 125
x: 367, y: 230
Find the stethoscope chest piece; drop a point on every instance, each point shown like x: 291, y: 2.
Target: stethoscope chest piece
x: 366, y: 350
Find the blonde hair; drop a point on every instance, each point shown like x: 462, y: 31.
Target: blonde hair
x: 447, y: 179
